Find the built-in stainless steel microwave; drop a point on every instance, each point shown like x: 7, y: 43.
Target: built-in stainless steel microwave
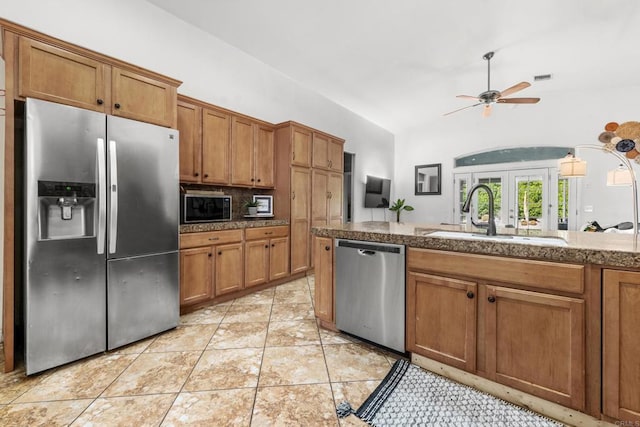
x: 204, y: 208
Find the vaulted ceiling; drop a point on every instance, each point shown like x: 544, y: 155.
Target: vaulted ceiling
x: 398, y: 63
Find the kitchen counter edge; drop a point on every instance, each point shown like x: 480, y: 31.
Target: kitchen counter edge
x: 609, y: 249
x: 230, y: 225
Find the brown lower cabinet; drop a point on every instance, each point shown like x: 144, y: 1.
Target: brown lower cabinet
x: 621, y: 346
x: 441, y: 319
x: 211, y: 264
x: 266, y: 255
x: 220, y: 263
x: 533, y: 341
x: 323, y: 254
x: 229, y: 268
x: 196, y: 275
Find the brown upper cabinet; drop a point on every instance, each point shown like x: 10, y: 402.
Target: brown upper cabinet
x: 190, y: 127
x: 265, y: 156
x: 216, y: 146
x: 205, y: 143
x: 81, y: 79
x: 138, y: 97
x: 252, y: 154
x: 327, y: 152
x: 219, y: 147
x: 300, y: 147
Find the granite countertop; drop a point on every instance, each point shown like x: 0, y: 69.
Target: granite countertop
x: 611, y: 249
x: 230, y: 225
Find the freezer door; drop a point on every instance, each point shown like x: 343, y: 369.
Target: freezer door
x: 143, y: 297
x: 143, y: 189
x: 64, y: 271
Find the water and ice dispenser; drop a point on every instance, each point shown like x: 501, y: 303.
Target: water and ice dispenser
x: 66, y: 210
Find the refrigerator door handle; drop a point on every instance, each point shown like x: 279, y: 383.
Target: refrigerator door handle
x: 113, y: 201
x: 102, y: 196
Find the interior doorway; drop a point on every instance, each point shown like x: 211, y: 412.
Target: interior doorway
x: 349, y: 167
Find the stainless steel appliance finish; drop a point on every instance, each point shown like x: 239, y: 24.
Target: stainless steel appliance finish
x: 196, y: 208
x: 370, y: 291
x: 101, y: 233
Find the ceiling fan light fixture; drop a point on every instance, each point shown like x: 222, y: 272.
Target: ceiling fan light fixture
x: 490, y: 96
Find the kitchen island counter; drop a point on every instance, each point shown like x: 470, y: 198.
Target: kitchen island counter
x: 610, y: 249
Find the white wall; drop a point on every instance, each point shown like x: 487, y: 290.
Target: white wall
x: 560, y: 119
x: 138, y: 32
x: 211, y: 70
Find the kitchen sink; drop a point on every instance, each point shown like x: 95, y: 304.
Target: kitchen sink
x: 525, y: 240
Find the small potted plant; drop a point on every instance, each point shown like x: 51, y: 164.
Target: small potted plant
x: 398, y: 207
x: 252, y: 206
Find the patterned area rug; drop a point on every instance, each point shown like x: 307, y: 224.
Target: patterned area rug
x: 411, y: 396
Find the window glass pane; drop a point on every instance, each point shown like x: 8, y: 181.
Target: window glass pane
x: 462, y: 196
x: 529, y: 202
x: 563, y: 203
x: 482, y: 198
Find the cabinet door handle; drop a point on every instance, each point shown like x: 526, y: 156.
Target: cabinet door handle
x: 99, y: 101
x: 206, y: 175
x: 327, y: 248
x: 330, y: 163
x: 209, y: 254
x: 219, y: 252
x: 116, y: 105
x: 293, y: 195
x: 492, y: 299
x: 268, y: 233
x: 252, y: 179
x: 273, y: 245
x: 258, y: 179
x: 266, y: 246
x: 196, y: 174
x: 294, y: 155
x: 214, y: 238
x: 470, y: 295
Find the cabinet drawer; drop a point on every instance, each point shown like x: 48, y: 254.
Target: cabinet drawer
x: 526, y: 272
x: 193, y: 240
x: 266, y: 232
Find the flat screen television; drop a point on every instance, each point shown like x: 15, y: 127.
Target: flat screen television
x: 377, y: 192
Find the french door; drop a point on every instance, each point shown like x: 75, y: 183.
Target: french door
x: 526, y: 199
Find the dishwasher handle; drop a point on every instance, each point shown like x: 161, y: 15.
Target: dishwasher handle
x: 364, y: 252
x: 370, y: 246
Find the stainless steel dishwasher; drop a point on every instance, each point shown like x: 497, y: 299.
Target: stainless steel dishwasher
x: 370, y: 291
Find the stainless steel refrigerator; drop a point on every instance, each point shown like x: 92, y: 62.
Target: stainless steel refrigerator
x: 101, y: 263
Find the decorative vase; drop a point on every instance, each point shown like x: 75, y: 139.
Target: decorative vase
x: 253, y: 210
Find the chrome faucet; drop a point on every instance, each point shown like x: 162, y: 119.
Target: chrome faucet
x: 491, y: 226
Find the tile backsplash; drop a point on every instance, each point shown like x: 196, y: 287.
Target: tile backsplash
x: 239, y: 196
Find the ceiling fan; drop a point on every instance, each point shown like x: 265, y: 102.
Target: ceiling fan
x: 490, y: 97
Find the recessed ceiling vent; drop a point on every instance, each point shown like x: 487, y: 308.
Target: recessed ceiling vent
x: 541, y: 77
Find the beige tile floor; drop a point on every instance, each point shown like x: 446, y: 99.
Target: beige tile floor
x: 259, y: 360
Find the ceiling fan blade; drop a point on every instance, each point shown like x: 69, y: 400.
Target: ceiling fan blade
x: 518, y: 100
x: 486, y: 111
x: 460, y: 109
x: 515, y: 88
x: 468, y: 97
